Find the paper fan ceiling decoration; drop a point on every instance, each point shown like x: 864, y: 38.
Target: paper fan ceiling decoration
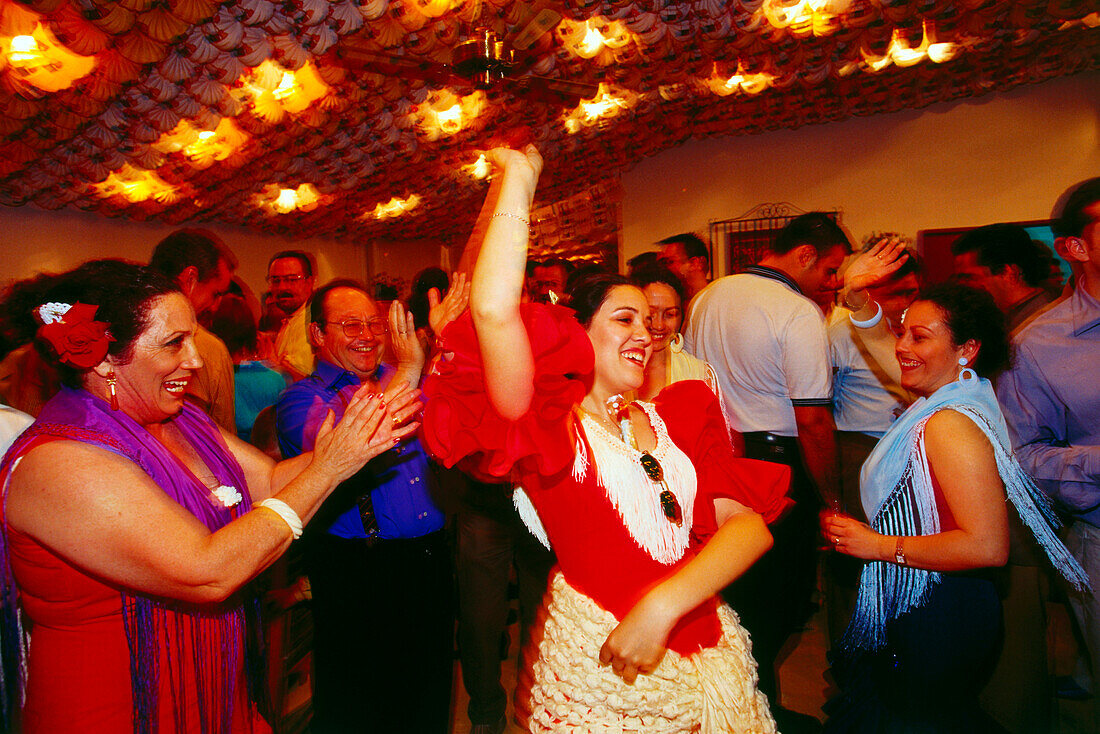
x: 366, y: 118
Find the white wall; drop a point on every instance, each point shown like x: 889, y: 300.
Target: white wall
x: 995, y: 158
x: 35, y: 240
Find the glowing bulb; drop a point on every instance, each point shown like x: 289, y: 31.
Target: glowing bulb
x: 592, y: 44
x: 450, y: 120
x: 287, y: 86
x: 286, y: 201
x: 24, y: 51
x: 24, y: 45
x: 941, y: 52
x: 479, y: 168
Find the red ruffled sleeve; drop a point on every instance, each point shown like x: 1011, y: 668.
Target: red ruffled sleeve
x: 459, y: 421
x: 695, y: 423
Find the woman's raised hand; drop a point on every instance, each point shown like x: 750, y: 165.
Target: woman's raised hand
x: 876, y: 264
x: 527, y: 161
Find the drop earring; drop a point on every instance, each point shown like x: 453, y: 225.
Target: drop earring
x: 111, y: 382
x: 967, y: 376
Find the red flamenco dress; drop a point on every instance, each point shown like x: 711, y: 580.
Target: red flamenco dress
x: 107, y: 660
x: 583, y: 493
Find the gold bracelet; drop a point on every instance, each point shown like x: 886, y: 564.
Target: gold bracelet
x: 510, y: 215
x: 899, y: 553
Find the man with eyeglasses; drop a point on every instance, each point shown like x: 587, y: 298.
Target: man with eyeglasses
x: 290, y: 277
x: 375, y: 553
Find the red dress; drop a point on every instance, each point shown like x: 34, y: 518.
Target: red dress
x: 596, y: 552
x: 78, y: 677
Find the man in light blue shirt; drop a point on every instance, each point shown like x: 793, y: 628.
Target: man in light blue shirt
x: 1051, y: 400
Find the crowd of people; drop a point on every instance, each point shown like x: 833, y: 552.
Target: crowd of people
x: 671, y: 468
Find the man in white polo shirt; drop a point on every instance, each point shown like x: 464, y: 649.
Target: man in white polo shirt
x: 766, y: 339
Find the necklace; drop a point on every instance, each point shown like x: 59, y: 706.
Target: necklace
x: 617, y: 407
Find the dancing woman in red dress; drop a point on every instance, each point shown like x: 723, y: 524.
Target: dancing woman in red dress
x: 646, y: 507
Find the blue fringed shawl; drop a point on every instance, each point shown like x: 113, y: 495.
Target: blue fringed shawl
x: 897, y: 494
x: 215, y: 634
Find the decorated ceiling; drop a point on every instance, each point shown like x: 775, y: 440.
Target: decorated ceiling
x: 339, y: 118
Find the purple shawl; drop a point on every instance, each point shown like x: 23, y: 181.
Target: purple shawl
x: 218, y: 632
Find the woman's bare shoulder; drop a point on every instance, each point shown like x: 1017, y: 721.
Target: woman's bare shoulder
x: 953, y: 435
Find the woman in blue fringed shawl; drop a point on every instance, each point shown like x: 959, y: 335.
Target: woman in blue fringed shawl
x: 131, y: 522
x: 927, y: 623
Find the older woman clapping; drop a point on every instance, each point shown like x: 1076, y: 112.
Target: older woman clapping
x: 131, y: 521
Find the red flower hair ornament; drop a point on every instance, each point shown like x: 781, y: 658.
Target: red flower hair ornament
x: 76, y: 337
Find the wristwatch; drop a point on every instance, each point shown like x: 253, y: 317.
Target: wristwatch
x: 899, y: 553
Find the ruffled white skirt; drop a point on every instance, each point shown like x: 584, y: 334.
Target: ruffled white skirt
x: 563, y: 687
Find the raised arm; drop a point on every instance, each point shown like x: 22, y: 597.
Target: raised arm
x: 962, y: 461
x: 497, y: 285
x: 869, y: 268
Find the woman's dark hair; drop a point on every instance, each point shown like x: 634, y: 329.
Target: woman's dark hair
x: 123, y: 291
x: 234, y: 323
x: 588, y: 293
x: 970, y: 313
x: 660, y: 274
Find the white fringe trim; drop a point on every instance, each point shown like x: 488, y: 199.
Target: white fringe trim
x: 530, y: 516
x: 565, y: 689
x: 635, y: 496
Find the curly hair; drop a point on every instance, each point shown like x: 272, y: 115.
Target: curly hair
x: 970, y: 313
x: 122, y: 291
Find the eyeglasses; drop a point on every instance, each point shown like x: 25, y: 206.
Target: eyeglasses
x: 355, y: 328
x: 284, y: 279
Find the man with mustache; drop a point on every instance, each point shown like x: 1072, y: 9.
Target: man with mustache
x: 290, y: 277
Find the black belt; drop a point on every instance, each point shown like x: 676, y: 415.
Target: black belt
x: 773, y: 447
x: 773, y: 439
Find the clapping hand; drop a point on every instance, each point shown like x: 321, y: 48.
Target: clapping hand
x: 407, y: 349
x: 366, y: 430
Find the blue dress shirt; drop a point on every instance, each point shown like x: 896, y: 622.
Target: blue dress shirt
x: 399, y: 480
x: 1051, y: 401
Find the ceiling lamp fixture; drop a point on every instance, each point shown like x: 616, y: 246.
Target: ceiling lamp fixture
x: 445, y: 113
x: 599, y: 109
x: 724, y: 86
x: 394, y: 208
x: 805, y: 17
x: 38, y: 59
x: 203, y: 148
x: 273, y: 91
x: 136, y: 185
x: 277, y: 199
x: 589, y: 39
x: 901, y: 54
